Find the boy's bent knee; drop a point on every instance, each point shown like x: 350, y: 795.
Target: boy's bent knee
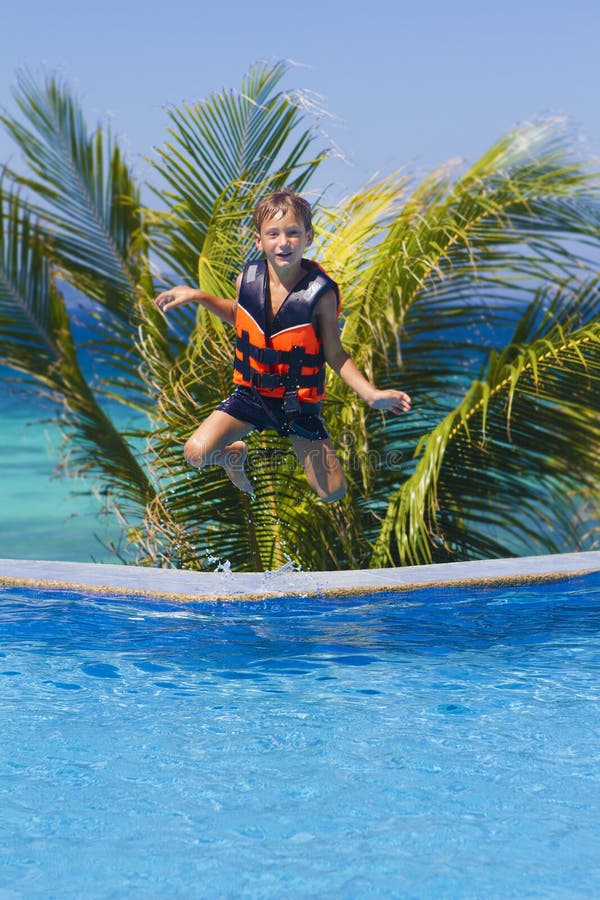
x: 335, y: 495
x: 330, y: 496
x: 195, y: 453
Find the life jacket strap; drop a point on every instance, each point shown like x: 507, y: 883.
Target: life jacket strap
x: 270, y: 357
x: 268, y: 381
x: 299, y: 408
x: 296, y: 359
x: 243, y: 365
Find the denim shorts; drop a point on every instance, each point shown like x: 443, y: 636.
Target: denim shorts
x: 267, y: 412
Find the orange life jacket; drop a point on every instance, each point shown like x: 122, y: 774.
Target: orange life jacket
x: 287, y: 358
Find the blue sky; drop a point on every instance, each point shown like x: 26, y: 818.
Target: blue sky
x: 409, y: 85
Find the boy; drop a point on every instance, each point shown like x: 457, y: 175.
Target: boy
x: 286, y: 319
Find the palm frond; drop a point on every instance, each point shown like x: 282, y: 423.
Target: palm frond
x: 229, y: 144
x: 37, y: 342
x: 470, y: 251
x: 536, y: 412
x: 472, y: 291
x: 448, y: 280
x: 391, y: 320
x: 87, y: 193
x: 88, y: 205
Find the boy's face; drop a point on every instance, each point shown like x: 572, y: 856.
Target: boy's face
x: 283, y: 240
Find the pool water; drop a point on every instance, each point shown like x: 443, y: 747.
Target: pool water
x: 430, y: 743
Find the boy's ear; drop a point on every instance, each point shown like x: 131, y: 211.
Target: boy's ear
x: 310, y: 234
x: 257, y: 240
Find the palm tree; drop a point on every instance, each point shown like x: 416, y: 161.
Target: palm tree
x: 475, y: 290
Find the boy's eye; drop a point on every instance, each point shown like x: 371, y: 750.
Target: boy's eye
x: 292, y: 232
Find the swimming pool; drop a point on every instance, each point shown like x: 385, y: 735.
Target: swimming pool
x: 433, y: 742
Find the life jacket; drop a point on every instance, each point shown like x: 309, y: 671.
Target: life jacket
x: 285, y: 360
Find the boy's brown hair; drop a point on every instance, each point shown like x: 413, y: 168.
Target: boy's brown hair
x: 281, y: 202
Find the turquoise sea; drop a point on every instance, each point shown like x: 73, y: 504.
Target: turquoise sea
x: 44, y: 515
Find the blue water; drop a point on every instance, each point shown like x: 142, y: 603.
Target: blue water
x: 438, y: 743
x: 44, y: 515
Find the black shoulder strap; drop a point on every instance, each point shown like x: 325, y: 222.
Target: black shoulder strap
x: 252, y: 291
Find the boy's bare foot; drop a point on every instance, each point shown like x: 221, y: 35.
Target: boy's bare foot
x: 234, y: 461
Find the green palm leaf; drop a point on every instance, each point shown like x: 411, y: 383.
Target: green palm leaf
x: 229, y: 145
x: 445, y: 290
x: 90, y: 198
x: 431, y: 281
x: 536, y: 412
x: 89, y: 207
x: 38, y: 343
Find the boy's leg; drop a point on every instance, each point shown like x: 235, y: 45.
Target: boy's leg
x: 322, y: 466
x: 218, y: 442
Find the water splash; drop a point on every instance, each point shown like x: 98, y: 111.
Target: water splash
x: 289, y: 566
x: 222, y: 566
x: 281, y: 579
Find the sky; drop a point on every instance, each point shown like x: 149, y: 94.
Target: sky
x: 405, y: 85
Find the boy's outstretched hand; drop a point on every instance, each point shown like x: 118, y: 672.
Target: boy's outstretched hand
x: 396, y: 402
x: 222, y: 307
x: 176, y: 296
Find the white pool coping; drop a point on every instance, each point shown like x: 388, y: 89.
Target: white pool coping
x: 209, y: 586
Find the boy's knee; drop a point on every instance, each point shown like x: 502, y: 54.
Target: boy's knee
x: 330, y: 495
x: 195, y: 453
x: 334, y: 495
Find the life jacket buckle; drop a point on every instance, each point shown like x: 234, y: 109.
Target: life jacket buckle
x: 291, y: 403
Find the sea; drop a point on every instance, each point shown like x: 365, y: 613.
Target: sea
x: 43, y: 514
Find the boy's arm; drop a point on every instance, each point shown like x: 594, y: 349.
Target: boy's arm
x: 222, y: 307
x: 341, y: 362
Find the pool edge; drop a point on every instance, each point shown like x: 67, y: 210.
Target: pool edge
x: 186, y: 586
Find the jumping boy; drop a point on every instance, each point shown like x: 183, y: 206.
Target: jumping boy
x: 286, y: 319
